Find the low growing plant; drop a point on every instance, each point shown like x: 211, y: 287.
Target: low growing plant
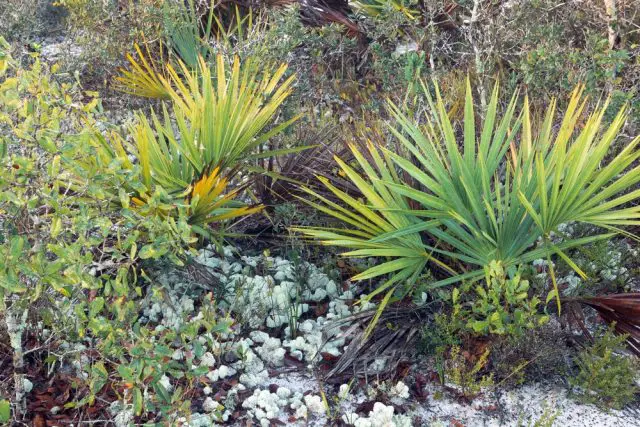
x: 546, y: 419
x: 439, y: 337
x: 501, y: 305
x: 140, y: 359
x: 606, y: 377
x: 466, y: 374
x: 68, y: 228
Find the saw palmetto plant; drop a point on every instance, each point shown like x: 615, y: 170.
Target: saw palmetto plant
x: 207, y: 200
x: 496, y: 192
x: 203, y: 29
x: 145, y: 78
x: 147, y: 72
x: 188, y: 36
x: 220, y: 115
x: 214, y: 125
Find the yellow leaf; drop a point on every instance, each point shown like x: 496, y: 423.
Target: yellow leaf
x: 56, y: 227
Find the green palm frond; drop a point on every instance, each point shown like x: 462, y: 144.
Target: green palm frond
x: 187, y: 36
x: 145, y: 78
x: 208, y: 200
x: 216, y: 121
x: 221, y: 112
x: 492, y: 193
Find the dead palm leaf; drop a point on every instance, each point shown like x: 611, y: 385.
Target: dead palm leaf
x: 379, y: 353
x: 624, y: 311
x: 317, y: 13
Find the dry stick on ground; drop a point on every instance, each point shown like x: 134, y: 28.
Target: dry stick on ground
x: 613, y: 35
x: 15, y: 323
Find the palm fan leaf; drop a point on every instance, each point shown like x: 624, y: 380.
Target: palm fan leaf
x: 488, y: 191
x: 146, y: 76
x: 208, y: 199
x: 219, y: 115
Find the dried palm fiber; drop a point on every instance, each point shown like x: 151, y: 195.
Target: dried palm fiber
x: 286, y: 174
x: 392, y: 341
x: 318, y: 13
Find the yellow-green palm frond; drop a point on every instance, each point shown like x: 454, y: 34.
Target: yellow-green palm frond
x: 219, y: 117
x: 207, y: 200
x: 215, y: 116
x: 210, y: 202
x: 228, y: 105
x: 378, y: 225
x: 145, y: 78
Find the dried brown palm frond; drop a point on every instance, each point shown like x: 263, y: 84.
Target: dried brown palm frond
x: 285, y: 175
x: 317, y: 13
x: 378, y: 355
x: 277, y: 3
x: 445, y: 18
x: 624, y: 311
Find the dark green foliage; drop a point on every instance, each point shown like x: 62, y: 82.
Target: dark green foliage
x: 438, y: 337
x: 539, y: 355
x: 606, y: 377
